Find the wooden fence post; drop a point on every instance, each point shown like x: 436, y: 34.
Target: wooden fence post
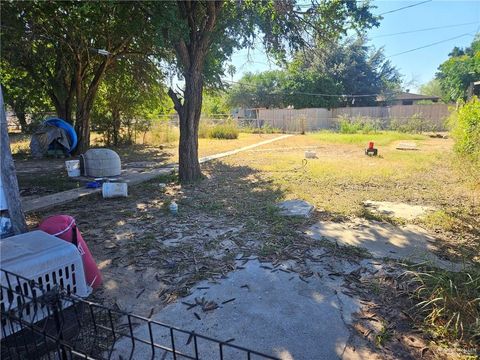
x: 9, y: 176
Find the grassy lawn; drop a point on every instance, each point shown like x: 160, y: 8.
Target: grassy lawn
x: 342, y: 177
x: 168, y: 153
x: 384, y: 138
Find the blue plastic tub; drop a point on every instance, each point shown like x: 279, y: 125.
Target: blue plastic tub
x: 68, y: 128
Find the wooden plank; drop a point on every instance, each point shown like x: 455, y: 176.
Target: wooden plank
x: 9, y: 175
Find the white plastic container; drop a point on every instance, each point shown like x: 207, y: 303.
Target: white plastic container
x: 114, y: 189
x: 101, y: 163
x: 73, y: 168
x: 48, y: 261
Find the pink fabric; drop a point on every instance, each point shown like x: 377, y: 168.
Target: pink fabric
x: 61, y: 226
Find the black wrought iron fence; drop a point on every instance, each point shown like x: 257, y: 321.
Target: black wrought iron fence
x: 53, y: 324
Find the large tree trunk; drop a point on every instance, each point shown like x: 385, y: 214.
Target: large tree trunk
x: 116, y: 127
x: 9, y: 177
x: 85, y: 97
x: 188, y: 166
x: 191, y: 55
x: 64, y: 110
x: 82, y: 128
x: 22, y: 120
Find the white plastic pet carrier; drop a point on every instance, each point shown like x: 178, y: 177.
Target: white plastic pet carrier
x: 43, y: 258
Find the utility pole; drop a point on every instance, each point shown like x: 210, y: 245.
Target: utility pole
x: 9, y: 175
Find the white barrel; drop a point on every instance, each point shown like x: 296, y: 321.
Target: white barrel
x: 114, y: 189
x: 73, y: 168
x: 102, y: 163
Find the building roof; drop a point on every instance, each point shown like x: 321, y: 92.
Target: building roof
x: 408, y: 96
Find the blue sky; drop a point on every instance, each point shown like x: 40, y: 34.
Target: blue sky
x: 420, y: 65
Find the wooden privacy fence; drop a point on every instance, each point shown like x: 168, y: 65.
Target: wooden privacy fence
x: 298, y: 120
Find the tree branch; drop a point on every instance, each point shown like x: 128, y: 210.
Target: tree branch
x: 178, y: 106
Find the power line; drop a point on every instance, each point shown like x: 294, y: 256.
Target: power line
x: 429, y: 45
x: 425, y: 29
x: 404, y: 7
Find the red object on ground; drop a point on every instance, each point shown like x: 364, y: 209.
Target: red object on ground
x: 370, y: 145
x: 64, y: 227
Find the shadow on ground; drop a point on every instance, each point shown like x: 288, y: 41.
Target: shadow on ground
x: 150, y: 258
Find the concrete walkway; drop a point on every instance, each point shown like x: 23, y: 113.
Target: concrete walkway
x: 129, y: 176
x: 263, y: 309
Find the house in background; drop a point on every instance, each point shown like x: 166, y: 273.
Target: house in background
x: 405, y: 98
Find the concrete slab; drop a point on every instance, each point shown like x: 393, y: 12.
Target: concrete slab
x: 407, y: 146
x: 299, y: 208
x: 383, y: 240
x: 398, y: 210
x: 275, y: 313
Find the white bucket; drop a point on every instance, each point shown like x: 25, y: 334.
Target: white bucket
x: 114, y: 189
x: 73, y: 168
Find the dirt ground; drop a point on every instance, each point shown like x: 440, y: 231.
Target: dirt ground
x: 150, y: 258
x: 39, y: 177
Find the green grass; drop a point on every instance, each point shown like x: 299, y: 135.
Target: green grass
x: 440, y: 219
x: 383, y: 336
x: 224, y: 131
x: 381, y: 138
x: 341, y: 178
x: 448, y: 303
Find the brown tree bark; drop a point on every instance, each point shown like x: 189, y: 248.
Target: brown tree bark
x: 191, y: 55
x: 116, y: 127
x: 9, y: 176
x: 189, y: 116
x: 85, y: 95
x: 22, y: 120
x: 64, y: 109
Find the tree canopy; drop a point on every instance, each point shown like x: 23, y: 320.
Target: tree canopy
x: 131, y: 95
x: 433, y: 88
x: 67, y: 46
x: 204, y: 34
x: 458, y: 72
x: 317, y: 76
x: 22, y: 95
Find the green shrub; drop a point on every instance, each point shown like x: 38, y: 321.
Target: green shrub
x: 227, y: 130
x: 414, y: 125
x: 348, y: 127
x: 465, y: 129
x: 265, y: 129
x: 360, y: 124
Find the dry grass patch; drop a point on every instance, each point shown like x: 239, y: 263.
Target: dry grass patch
x: 341, y: 178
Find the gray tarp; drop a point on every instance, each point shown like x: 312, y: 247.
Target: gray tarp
x: 46, y: 135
